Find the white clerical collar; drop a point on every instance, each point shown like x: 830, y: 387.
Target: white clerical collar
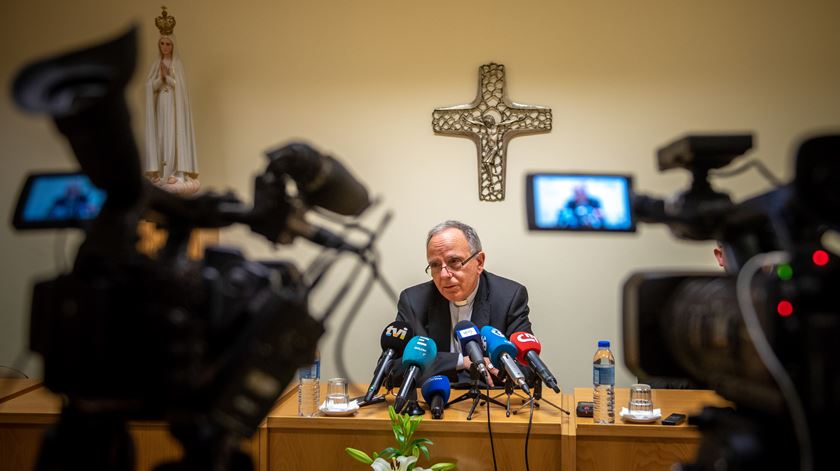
x: 469, y: 299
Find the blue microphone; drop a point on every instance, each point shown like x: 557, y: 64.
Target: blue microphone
x: 467, y: 335
x: 502, y: 352
x: 436, y: 393
x: 419, y: 352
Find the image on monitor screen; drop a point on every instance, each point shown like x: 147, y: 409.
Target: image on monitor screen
x: 579, y: 202
x: 58, y: 200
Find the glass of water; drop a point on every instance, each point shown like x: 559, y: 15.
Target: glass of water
x: 337, y: 397
x: 640, y: 399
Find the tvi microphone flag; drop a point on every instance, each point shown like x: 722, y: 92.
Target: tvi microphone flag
x: 393, y: 341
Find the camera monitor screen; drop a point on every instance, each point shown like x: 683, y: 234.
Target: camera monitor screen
x: 57, y: 200
x: 579, y: 202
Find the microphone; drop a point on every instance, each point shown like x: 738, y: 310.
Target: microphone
x: 467, y: 334
x: 502, y: 352
x: 419, y: 352
x: 321, y: 180
x: 529, y: 354
x: 393, y: 342
x: 280, y: 218
x: 320, y: 235
x: 436, y: 393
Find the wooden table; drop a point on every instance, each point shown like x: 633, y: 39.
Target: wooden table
x: 288, y: 442
x: 25, y: 417
x: 631, y: 446
x: 297, y: 443
x: 23, y: 420
x: 11, y: 388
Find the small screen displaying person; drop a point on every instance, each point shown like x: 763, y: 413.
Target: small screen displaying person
x: 73, y: 204
x: 581, y: 211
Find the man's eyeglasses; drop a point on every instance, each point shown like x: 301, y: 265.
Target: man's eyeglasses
x: 453, y: 265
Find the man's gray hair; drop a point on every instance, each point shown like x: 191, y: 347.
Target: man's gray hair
x: 472, y: 237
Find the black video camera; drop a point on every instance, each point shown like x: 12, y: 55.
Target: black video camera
x: 208, y: 346
x: 763, y: 335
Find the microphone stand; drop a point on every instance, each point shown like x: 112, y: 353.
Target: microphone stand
x: 536, y: 398
x: 412, y: 407
x: 378, y: 398
x: 374, y: 400
x: 475, y: 394
x: 510, y: 391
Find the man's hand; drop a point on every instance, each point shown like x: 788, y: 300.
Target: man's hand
x: 490, y: 369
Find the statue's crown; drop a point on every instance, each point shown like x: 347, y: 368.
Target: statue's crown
x: 165, y: 23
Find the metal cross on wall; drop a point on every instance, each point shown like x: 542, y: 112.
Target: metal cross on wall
x: 491, y: 120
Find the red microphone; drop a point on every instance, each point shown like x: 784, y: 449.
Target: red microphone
x: 529, y: 348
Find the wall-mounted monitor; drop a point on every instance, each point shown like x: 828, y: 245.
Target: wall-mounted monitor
x: 579, y: 202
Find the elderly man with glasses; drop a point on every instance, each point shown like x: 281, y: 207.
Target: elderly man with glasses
x: 460, y: 289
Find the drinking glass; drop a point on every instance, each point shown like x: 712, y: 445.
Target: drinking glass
x: 337, y: 397
x: 640, y: 399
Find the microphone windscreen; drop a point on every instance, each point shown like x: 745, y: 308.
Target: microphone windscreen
x: 465, y: 332
x: 341, y: 193
x: 419, y: 352
x: 495, y: 344
x: 436, y: 385
x: 396, y: 336
x: 321, y: 180
x: 524, y: 343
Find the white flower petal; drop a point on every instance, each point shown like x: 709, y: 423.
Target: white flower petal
x: 380, y: 465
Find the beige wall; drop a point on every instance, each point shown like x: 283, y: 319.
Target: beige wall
x: 360, y: 79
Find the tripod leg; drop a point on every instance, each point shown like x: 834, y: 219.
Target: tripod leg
x: 537, y: 405
x: 464, y: 397
x: 553, y: 405
x: 524, y: 405
x: 493, y: 401
x: 472, y: 409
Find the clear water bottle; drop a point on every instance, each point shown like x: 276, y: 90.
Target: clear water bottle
x: 603, y: 382
x: 309, y: 388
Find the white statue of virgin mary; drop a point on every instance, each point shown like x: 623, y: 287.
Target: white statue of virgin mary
x: 170, y: 141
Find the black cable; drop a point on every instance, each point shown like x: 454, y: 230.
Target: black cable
x: 764, y: 171
x: 372, y: 263
x: 342, y: 292
x: 528, y: 433
x: 490, y: 430
x: 324, y: 261
x: 316, y: 270
x: 384, y: 283
x: 345, y: 326
x: 25, y: 376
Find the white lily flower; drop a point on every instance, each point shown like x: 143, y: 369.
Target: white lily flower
x: 402, y: 461
x: 380, y: 465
